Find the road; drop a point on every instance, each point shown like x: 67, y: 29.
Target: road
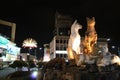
x: 4, y: 72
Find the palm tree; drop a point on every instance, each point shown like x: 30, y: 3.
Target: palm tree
x: 29, y: 43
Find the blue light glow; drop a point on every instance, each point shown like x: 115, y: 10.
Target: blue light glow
x: 34, y: 74
x: 3, y: 40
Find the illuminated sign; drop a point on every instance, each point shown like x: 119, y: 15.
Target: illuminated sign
x: 13, y: 49
x: 10, y: 47
x: 3, y: 40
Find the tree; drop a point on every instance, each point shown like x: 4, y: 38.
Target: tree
x: 29, y: 43
x: 18, y: 64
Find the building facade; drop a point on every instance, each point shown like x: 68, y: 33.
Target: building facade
x: 62, y: 24
x: 46, y: 57
x: 8, y: 48
x: 58, y: 45
x: 25, y: 57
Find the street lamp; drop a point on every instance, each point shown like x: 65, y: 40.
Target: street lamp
x: 108, y: 39
x: 113, y: 47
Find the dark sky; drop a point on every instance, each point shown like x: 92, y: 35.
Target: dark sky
x: 35, y: 18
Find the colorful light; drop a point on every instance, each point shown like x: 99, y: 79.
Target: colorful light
x: 3, y: 40
x: 31, y: 43
x: 34, y: 74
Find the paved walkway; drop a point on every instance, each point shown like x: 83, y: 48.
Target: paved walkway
x: 4, y: 72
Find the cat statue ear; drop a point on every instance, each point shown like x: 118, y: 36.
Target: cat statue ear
x: 75, y: 22
x: 87, y: 18
x: 93, y: 18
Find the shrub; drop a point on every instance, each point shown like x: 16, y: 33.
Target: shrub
x: 18, y: 64
x: 31, y: 64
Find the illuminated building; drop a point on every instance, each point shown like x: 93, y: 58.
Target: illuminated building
x: 25, y: 57
x: 46, y: 57
x: 8, y: 49
x: 62, y: 25
x: 11, y: 25
x: 58, y: 47
x: 59, y: 43
x: 61, y: 33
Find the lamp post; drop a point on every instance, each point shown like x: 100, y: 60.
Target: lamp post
x: 118, y: 51
x: 35, y: 54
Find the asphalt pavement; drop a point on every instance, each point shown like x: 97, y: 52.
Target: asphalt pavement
x: 5, y: 71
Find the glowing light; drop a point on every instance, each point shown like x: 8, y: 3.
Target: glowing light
x: 90, y: 36
x: 64, y: 52
x: 34, y: 74
x: 70, y: 53
x: 4, y: 58
x: 113, y: 47
x: 108, y: 39
x: 46, y: 58
x: 75, y: 43
x: 74, y: 40
x: 23, y: 59
x: 3, y: 40
x: 31, y: 43
x: 40, y: 48
x: 116, y: 59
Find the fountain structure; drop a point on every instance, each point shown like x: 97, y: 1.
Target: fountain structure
x: 87, y: 51
x: 87, y: 60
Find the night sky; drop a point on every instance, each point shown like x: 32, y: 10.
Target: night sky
x: 35, y: 18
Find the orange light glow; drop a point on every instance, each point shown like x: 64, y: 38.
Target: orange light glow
x: 90, y: 36
x: 70, y: 53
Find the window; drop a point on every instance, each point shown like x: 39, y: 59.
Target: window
x: 57, y: 55
x: 65, y: 55
x: 61, y: 55
x: 57, y: 48
x: 64, y: 48
x: 57, y: 41
x: 60, y: 41
x: 64, y: 41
